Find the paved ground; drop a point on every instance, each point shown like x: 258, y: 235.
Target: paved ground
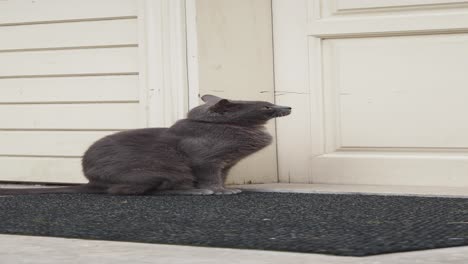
x: 47, y: 250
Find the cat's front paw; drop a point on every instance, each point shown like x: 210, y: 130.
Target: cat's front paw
x: 187, y: 192
x: 219, y: 189
x: 222, y: 191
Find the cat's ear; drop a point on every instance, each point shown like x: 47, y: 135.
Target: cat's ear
x: 221, y: 106
x: 208, y: 98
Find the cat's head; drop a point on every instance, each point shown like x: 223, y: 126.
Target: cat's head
x: 219, y: 110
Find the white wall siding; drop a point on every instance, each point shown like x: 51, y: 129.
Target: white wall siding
x: 76, y: 89
x: 68, y: 76
x: 47, y: 11
x: 115, y: 32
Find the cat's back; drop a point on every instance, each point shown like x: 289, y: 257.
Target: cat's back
x: 134, y: 136
x: 142, y: 135
x: 130, y: 140
x: 131, y: 148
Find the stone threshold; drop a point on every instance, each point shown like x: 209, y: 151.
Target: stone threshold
x: 426, y: 191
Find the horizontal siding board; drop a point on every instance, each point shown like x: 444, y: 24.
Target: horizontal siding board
x: 70, y: 116
x: 33, y: 169
x: 80, y: 61
x: 65, y: 65
x: 27, y: 11
x: 90, y: 33
x: 69, y: 89
x: 48, y: 143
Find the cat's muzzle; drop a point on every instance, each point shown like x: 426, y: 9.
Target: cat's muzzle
x: 282, y: 111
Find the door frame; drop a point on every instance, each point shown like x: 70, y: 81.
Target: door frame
x: 167, y: 38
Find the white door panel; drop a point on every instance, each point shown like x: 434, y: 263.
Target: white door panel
x: 406, y: 91
x: 386, y: 89
x: 342, y: 5
x: 339, y: 18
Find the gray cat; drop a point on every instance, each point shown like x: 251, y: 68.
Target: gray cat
x: 193, y: 156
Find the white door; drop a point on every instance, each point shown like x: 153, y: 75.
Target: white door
x: 379, y: 91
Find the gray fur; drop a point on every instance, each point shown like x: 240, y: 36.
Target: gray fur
x: 193, y: 156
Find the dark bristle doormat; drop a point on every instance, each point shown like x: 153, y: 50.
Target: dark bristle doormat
x: 348, y: 225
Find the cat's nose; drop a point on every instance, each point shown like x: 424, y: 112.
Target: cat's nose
x: 280, y: 107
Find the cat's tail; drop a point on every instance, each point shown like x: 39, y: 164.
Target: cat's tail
x: 84, y: 188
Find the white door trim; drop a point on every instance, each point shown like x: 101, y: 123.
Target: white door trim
x: 163, y: 61
x: 192, y: 53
